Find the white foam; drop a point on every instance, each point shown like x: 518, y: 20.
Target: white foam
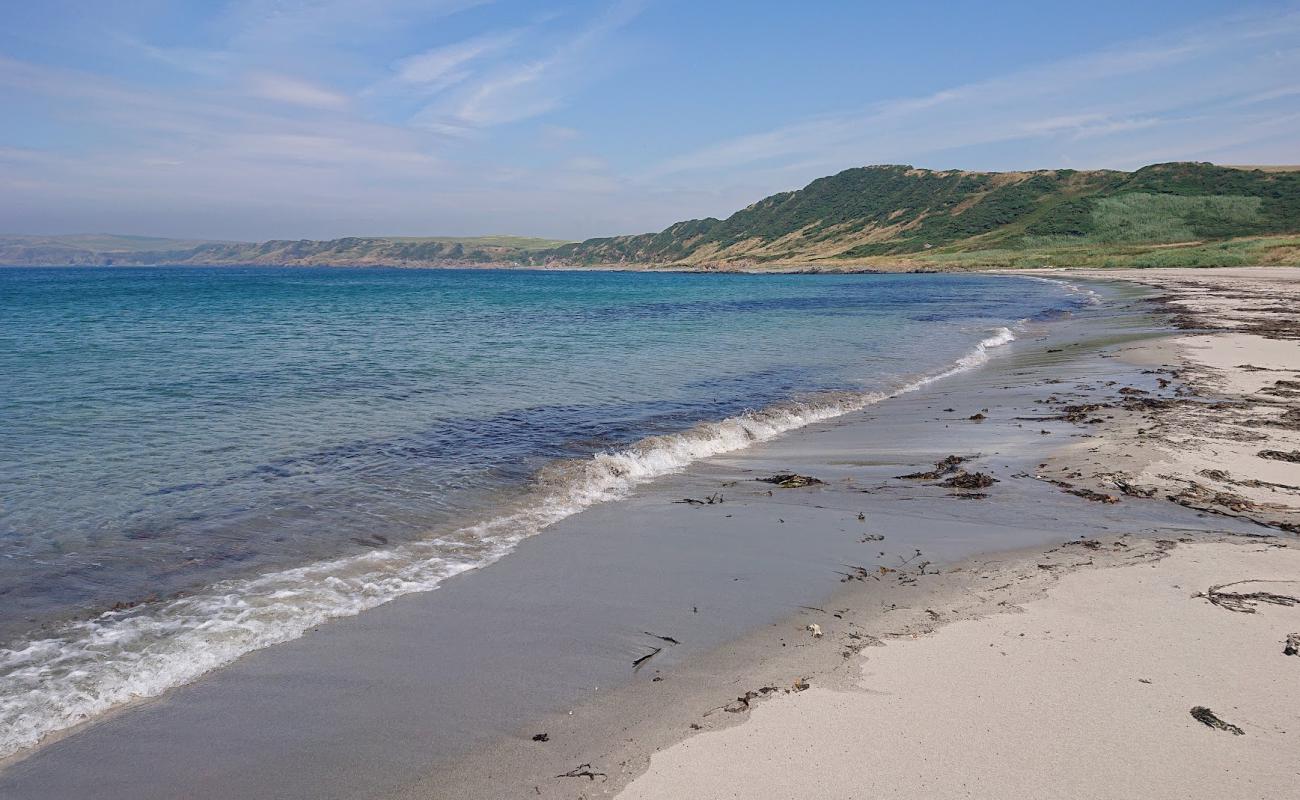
x: 1090, y: 297
x: 91, y: 666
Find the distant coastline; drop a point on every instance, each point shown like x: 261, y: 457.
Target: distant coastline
x: 881, y: 219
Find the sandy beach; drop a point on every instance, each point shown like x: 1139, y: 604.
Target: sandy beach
x: 989, y: 589
x: 1088, y: 691
x: 1098, y: 683
x: 1228, y: 443
x: 1081, y: 670
x: 465, y: 400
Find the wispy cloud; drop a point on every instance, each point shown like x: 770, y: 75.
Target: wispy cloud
x: 519, y: 90
x: 434, y: 70
x: 290, y: 35
x: 287, y: 89
x: 206, y: 62
x: 276, y: 118
x: 260, y: 24
x: 273, y: 118
x: 1092, y: 96
x: 198, y: 129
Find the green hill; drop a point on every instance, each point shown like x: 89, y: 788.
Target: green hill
x: 89, y: 249
x: 899, y: 216
x: 880, y: 217
x: 103, y: 250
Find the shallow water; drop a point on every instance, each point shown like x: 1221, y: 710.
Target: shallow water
x: 252, y: 451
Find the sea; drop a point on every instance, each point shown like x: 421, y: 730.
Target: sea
x: 200, y: 462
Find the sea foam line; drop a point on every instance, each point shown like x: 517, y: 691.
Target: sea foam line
x: 91, y: 666
x: 1090, y: 297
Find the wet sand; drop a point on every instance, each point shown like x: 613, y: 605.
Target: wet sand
x: 442, y: 694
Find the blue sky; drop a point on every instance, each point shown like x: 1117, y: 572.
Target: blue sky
x: 254, y: 119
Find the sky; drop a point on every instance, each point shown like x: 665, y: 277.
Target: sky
x: 259, y: 119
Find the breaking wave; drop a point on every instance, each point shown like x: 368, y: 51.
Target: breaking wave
x: 88, y: 667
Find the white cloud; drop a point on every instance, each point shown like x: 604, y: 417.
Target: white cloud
x: 269, y: 133
x: 1091, y: 96
x: 508, y: 96
x: 273, y: 24
x: 208, y: 63
x: 286, y: 89
x: 444, y: 66
x: 518, y: 90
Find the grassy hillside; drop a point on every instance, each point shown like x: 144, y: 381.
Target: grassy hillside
x: 881, y: 217
x: 900, y: 216
x: 85, y: 249
x: 520, y: 243
x: 354, y: 251
x: 359, y: 251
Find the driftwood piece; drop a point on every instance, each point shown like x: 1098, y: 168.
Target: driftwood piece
x: 713, y: 499
x: 583, y: 771
x: 636, y: 665
x: 1207, y: 717
x: 1245, y: 602
x: 1131, y: 490
x: 742, y: 702
x: 1281, y: 455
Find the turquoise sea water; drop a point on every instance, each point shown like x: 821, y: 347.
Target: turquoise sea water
x: 199, y: 462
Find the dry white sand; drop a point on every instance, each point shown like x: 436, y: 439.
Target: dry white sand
x: 1086, y: 694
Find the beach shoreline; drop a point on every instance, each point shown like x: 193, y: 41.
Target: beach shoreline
x: 761, y: 641
x: 1113, y: 677
x: 171, y: 638
x: 763, y: 763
